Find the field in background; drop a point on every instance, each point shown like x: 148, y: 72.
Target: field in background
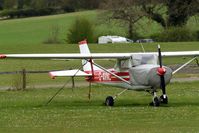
x: 35, y: 30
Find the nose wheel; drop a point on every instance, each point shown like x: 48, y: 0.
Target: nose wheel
x: 164, y: 99
x: 157, y: 101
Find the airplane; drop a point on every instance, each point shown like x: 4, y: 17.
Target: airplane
x: 132, y: 71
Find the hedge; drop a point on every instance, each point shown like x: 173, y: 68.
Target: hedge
x: 32, y: 12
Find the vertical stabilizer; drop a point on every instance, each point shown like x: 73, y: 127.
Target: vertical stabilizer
x: 85, y: 50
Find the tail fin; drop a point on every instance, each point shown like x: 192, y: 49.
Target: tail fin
x: 85, y: 50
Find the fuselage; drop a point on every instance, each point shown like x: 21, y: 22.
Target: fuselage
x: 102, y: 77
x: 142, y: 77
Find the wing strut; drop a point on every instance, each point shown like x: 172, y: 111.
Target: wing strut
x: 184, y: 65
x: 62, y: 87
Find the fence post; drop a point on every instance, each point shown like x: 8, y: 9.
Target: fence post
x: 23, y: 79
x: 73, y: 82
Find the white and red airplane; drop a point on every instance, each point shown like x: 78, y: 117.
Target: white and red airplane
x: 132, y: 71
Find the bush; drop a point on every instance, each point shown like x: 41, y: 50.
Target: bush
x: 80, y: 30
x: 176, y: 34
x: 9, y: 13
x: 53, y: 37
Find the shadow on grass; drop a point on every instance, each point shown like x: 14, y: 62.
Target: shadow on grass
x: 85, y: 104
x: 184, y: 104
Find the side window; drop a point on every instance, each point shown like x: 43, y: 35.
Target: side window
x: 124, y: 64
x: 136, y: 60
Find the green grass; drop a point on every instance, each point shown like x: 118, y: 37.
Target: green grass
x: 33, y: 31
x: 71, y: 111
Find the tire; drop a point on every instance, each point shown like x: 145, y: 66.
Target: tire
x: 163, y: 100
x: 109, y: 101
x: 156, y: 102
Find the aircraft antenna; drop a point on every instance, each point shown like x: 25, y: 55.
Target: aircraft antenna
x: 142, y: 47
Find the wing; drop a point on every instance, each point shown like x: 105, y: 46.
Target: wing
x: 98, y: 55
x: 180, y: 53
x: 69, y: 56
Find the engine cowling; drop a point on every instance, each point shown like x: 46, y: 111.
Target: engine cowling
x: 149, y: 75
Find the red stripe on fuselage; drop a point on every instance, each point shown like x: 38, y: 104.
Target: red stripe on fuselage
x: 102, y: 76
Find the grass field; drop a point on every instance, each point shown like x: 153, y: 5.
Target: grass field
x: 71, y: 111
x: 33, y: 31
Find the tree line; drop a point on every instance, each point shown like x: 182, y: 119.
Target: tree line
x: 28, y: 8
x: 22, y: 4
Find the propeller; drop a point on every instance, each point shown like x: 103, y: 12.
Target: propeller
x: 161, y: 71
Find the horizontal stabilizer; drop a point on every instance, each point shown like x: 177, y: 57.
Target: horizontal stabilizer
x: 68, y: 73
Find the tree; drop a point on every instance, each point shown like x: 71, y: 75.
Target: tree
x: 38, y: 4
x: 155, y: 10
x: 1, y: 4
x: 177, y: 11
x: 20, y: 4
x: 9, y: 4
x: 127, y: 13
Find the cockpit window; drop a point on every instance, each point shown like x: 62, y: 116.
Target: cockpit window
x: 135, y: 60
x: 142, y: 59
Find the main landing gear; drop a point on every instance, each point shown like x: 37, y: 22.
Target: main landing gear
x: 156, y: 101
x: 109, y: 101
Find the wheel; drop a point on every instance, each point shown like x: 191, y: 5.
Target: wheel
x: 164, y: 100
x: 109, y: 101
x: 156, y: 102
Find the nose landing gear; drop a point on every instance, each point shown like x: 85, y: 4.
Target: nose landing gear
x: 157, y: 101
x: 164, y: 99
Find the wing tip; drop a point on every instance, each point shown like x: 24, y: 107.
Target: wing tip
x: 2, y: 56
x: 51, y: 75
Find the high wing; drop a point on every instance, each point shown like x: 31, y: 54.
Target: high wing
x: 98, y: 55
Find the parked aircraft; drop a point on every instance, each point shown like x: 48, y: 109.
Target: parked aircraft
x: 132, y: 71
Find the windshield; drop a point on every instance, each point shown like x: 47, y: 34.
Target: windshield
x: 142, y: 59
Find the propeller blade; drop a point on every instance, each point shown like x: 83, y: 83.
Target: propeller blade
x: 163, y: 86
x: 161, y: 71
x: 160, y: 56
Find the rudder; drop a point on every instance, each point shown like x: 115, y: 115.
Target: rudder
x: 85, y: 50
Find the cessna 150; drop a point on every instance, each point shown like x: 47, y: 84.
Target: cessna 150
x: 132, y: 71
